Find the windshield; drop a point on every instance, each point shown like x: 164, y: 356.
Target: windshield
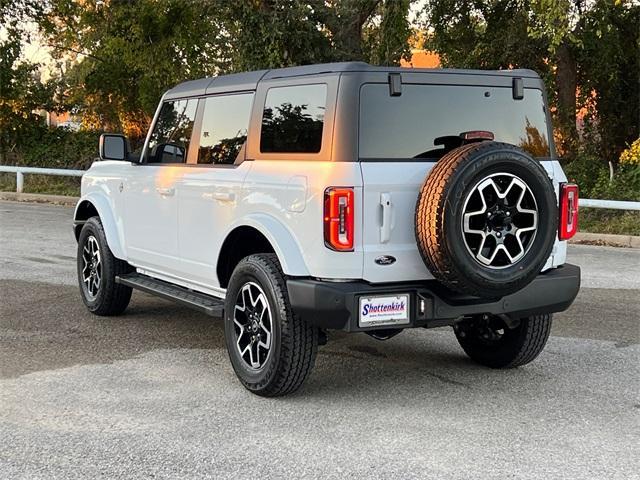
x: 426, y: 121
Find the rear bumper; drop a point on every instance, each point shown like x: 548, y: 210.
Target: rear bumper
x: 334, y: 305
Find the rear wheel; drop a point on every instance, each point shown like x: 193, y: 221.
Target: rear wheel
x: 489, y: 341
x: 97, y: 271
x: 272, y: 350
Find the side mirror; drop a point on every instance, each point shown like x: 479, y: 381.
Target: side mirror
x: 114, y: 147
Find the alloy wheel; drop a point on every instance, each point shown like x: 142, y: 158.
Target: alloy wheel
x: 500, y: 220
x: 253, y: 324
x: 91, y: 267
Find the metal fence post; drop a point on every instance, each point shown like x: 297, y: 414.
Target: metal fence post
x: 19, y: 181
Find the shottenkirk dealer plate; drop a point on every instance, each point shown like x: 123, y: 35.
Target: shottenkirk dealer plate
x: 389, y: 310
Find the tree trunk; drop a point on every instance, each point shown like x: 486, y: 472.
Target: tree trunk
x: 567, y: 91
x: 345, y: 19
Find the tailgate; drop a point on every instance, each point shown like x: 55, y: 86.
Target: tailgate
x: 389, y: 198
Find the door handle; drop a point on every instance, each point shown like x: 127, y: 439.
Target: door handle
x: 385, y: 229
x: 166, y: 192
x: 221, y: 196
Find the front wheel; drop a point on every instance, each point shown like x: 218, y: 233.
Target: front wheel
x: 489, y: 341
x: 272, y: 351
x: 97, y: 271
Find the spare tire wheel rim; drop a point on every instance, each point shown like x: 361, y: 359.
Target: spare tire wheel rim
x: 500, y: 220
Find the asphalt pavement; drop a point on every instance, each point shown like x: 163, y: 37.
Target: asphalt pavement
x: 151, y: 394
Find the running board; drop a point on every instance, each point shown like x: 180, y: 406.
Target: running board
x: 205, y: 303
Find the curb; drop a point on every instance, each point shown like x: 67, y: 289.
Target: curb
x: 39, y: 198
x: 586, y: 238
x: 628, y: 241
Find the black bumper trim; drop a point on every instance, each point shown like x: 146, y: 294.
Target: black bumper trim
x: 334, y: 305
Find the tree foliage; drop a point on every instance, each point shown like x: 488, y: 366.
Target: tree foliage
x: 21, y: 92
x: 117, y: 57
x: 122, y: 54
x: 587, y: 52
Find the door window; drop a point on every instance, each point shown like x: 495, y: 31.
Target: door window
x: 293, y: 119
x: 224, y: 128
x: 169, y: 141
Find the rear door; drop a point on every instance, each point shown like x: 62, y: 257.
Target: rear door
x: 212, y: 189
x: 400, y: 142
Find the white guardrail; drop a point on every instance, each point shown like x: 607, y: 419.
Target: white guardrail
x: 20, y: 171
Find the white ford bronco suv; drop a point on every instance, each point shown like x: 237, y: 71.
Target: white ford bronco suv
x: 339, y: 196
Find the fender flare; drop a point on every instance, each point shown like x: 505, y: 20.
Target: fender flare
x: 112, y: 230
x: 280, y: 238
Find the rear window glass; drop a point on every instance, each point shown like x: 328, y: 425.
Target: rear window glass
x: 293, y: 119
x: 425, y: 120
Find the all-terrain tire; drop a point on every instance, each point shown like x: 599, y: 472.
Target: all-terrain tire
x: 294, y: 343
x: 109, y: 298
x: 439, y: 216
x: 515, y: 347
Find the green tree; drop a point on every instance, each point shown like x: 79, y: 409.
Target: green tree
x: 20, y: 94
x: 281, y: 33
x: 122, y: 55
x: 587, y: 52
x: 609, y: 73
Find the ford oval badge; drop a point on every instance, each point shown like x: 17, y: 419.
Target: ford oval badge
x: 385, y: 260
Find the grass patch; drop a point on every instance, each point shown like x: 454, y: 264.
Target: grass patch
x: 49, y: 184
x: 600, y: 220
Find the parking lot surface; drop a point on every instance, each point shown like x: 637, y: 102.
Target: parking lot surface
x: 151, y: 394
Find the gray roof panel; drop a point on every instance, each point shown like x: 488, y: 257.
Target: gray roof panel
x: 237, y: 82
x: 190, y: 88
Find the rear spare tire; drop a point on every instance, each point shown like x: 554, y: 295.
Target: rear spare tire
x: 486, y: 219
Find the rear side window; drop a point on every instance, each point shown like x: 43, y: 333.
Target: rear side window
x: 169, y: 141
x: 426, y: 120
x: 224, y: 128
x: 293, y: 119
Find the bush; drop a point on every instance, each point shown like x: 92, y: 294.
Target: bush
x: 592, y: 176
x: 600, y: 220
x: 58, y: 148
x: 631, y: 156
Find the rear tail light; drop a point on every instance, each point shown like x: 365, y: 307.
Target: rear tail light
x: 568, y: 211
x: 339, y: 218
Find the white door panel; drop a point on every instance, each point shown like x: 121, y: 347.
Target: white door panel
x: 209, y: 199
x: 151, y: 216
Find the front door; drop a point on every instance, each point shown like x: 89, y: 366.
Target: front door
x: 153, y: 187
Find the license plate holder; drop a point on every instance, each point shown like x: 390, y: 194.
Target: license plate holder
x: 384, y: 310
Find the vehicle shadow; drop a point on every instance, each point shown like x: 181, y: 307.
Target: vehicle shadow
x: 51, y: 329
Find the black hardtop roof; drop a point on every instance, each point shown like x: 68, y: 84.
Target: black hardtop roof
x: 249, y: 80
